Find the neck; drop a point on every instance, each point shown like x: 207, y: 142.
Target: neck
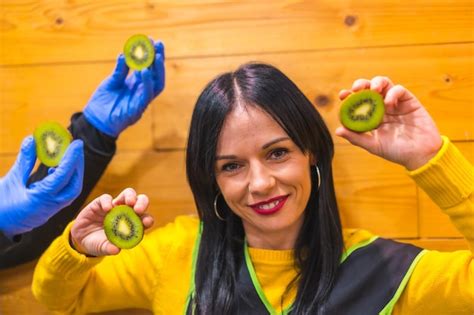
x: 274, y: 240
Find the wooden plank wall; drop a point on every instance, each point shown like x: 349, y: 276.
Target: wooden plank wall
x: 54, y: 53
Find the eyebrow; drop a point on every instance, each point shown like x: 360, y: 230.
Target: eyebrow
x: 265, y: 146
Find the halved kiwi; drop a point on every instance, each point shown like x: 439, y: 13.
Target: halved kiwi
x: 123, y: 227
x: 51, y: 140
x: 139, y: 52
x: 362, y: 111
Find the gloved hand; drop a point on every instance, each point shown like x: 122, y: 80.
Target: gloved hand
x: 119, y: 101
x: 23, y: 208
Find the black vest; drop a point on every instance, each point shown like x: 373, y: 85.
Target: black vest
x: 369, y: 281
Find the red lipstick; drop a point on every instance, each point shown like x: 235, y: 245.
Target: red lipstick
x: 263, y: 207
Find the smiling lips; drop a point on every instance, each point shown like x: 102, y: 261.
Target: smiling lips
x: 269, y: 206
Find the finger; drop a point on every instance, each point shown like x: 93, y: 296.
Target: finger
x: 73, y: 157
x: 26, y: 159
x: 73, y: 189
x: 159, y: 48
x: 109, y: 248
x: 127, y: 197
x: 142, y: 204
x: 137, y: 76
x: 69, y: 193
x: 147, y: 221
x: 99, y: 206
x: 146, y: 95
x: 360, y: 84
x: 363, y: 140
x: 381, y: 84
x: 158, y: 75
x: 117, y: 79
x: 397, y: 95
x: 103, y: 204
x: 344, y: 93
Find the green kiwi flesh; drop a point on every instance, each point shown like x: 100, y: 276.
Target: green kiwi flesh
x: 51, y: 140
x: 362, y: 111
x: 139, y: 52
x: 123, y: 227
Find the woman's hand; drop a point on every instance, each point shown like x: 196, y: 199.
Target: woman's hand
x: 407, y: 135
x: 87, y: 233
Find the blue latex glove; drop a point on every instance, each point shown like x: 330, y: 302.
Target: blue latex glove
x: 23, y: 208
x: 119, y: 101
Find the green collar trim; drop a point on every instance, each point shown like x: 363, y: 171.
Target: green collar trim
x: 389, y: 307
x: 258, y: 287
x: 357, y: 246
x: 386, y: 310
x: 192, y: 287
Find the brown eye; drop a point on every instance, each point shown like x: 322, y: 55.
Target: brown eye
x: 278, y: 154
x: 230, y: 167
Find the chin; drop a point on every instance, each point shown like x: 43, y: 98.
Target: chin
x: 278, y: 222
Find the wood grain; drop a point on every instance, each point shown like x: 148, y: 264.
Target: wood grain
x: 374, y: 194
x: 53, y: 55
x: 32, y: 95
x: 86, y: 30
x: 440, y: 76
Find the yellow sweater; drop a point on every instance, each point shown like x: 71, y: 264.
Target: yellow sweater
x: 156, y: 274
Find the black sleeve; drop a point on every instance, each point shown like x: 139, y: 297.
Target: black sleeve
x: 98, y: 152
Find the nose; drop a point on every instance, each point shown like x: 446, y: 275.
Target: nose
x: 261, y: 180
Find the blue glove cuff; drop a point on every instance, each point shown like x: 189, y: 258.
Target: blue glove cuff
x: 98, y: 124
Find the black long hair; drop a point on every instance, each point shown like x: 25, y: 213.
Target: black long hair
x: 319, y: 244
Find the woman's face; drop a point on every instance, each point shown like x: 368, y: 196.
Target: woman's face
x: 263, y: 176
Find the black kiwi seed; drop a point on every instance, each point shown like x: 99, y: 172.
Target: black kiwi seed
x: 139, y: 52
x: 362, y: 111
x: 123, y: 227
x: 51, y: 140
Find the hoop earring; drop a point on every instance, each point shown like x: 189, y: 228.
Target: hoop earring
x: 215, y: 208
x: 319, y: 175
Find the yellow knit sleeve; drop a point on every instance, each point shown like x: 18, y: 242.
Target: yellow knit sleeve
x: 443, y: 282
x: 67, y: 281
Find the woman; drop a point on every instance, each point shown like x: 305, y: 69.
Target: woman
x: 268, y: 238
